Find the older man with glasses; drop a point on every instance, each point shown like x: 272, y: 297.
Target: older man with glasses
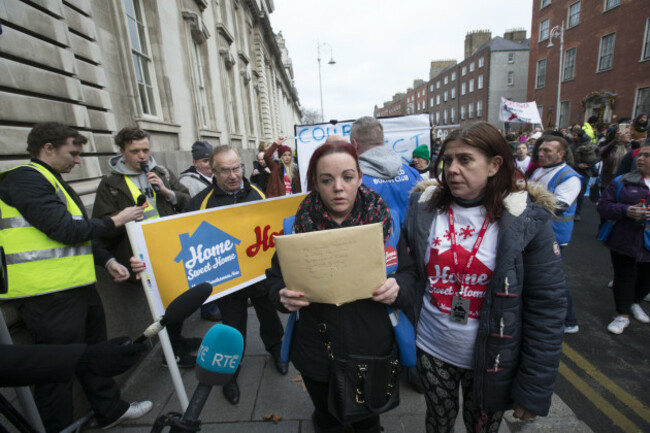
x: 231, y: 187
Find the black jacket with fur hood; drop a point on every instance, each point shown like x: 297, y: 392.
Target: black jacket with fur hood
x: 529, y: 270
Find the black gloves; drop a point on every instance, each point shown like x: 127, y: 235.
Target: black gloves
x: 111, y: 357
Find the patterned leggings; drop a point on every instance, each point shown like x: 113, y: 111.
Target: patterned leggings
x: 440, y: 381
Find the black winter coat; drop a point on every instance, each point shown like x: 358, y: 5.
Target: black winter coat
x: 529, y: 268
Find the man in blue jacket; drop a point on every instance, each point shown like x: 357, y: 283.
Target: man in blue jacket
x: 385, y: 173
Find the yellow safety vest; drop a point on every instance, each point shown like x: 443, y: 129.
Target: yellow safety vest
x: 204, y: 203
x: 150, y: 212
x: 36, y: 263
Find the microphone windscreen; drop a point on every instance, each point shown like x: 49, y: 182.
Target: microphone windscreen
x: 186, y: 303
x: 141, y: 200
x: 219, y: 355
x: 145, y: 167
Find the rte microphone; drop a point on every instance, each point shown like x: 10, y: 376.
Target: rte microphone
x: 178, y: 310
x: 217, y: 361
x: 145, y: 167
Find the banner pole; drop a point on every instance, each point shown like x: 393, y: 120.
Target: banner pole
x: 133, y: 230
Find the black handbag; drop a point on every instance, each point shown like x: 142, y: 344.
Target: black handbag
x: 361, y: 386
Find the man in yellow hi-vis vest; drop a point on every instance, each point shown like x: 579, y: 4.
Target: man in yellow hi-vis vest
x: 51, y: 260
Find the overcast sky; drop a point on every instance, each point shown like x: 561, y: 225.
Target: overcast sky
x: 380, y: 46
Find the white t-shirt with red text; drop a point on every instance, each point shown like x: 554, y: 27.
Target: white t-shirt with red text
x: 437, y: 335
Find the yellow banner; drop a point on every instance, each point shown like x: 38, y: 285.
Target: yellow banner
x: 226, y: 246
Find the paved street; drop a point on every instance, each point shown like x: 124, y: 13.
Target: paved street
x: 604, y: 377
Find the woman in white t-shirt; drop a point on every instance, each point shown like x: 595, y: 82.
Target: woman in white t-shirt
x: 481, y: 276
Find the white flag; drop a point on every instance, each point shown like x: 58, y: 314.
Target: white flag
x: 524, y: 112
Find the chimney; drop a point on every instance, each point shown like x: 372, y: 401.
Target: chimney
x: 437, y: 67
x: 475, y: 39
x: 515, y: 35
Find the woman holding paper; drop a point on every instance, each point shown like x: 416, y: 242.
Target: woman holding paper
x: 338, y: 199
x: 481, y: 271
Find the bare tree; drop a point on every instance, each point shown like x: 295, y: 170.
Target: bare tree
x: 310, y: 116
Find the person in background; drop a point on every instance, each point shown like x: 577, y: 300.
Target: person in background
x: 422, y: 161
x: 337, y: 199
x: 590, y: 129
x: 285, y: 178
x: 489, y: 319
x: 630, y: 257
x: 230, y: 187
x: 385, y: 173
x: 565, y: 184
x: 261, y: 172
x: 41, y: 216
x: 135, y: 173
x: 199, y: 175
x: 523, y: 159
x: 611, y: 155
x: 639, y: 128
x: 586, y: 158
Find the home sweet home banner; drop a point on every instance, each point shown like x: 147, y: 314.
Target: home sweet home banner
x: 230, y: 247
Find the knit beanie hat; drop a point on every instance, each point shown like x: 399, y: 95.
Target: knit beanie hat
x: 201, y: 149
x: 421, y: 152
x: 282, y: 149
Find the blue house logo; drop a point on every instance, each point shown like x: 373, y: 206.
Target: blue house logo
x: 209, y: 255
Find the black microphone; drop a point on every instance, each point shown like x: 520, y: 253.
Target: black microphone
x: 217, y: 361
x: 145, y: 167
x: 178, y: 310
x: 141, y: 200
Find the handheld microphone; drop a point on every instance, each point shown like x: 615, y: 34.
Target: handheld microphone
x: 178, y: 310
x: 141, y: 200
x: 145, y: 167
x: 217, y: 361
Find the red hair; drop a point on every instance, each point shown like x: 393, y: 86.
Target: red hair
x: 340, y: 146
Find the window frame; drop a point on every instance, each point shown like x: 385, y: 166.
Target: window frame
x: 471, y: 85
x: 638, y: 108
x: 569, y: 15
x: 479, y: 108
x: 463, y: 71
x: 565, y: 114
x: 607, y: 6
x: 544, y: 3
x: 479, y: 82
x: 645, y: 46
x: 537, y: 74
x: 481, y: 62
x: 601, y: 56
x: 472, y: 66
x: 510, y: 79
x: 463, y: 89
x: 565, y: 65
x: 511, y: 57
x: 544, y: 36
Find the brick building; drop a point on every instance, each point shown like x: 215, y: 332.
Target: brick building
x: 606, y: 64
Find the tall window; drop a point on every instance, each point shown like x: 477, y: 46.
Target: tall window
x: 452, y: 113
x: 445, y: 117
x: 462, y: 112
x: 471, y: 85
x: 453, y: 76
x: 511, y: 78
x: 438, y: 99
x: 472, y: 66
x: 569, y: 64
x: 611, y: 4
x: 574, y: 15
x: 470, y: 111
x: 511, y: 57
x: 446, y: 96
x: 446, y: 79
x: 431, y: 104
x: 606, y: 54
x: 540, y: 81
x: 141, y: 56
x: 645, y: 54
x: 453, y: 93
x: 438, y: 117
x: 481, y: 62
x: 565, y: 113
x: 438, y: 84
x: 479, y: 108
x: 200, y: 84
x: 544, y: 3
x: 463, y: 71
x: 543, y: 29
x: 479, y: 84
x: 463, y: 89
x: 642, y: 101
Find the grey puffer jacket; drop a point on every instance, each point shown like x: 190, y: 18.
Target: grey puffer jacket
x: 526, y: 293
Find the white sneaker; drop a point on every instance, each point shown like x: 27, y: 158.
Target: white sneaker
x: 571, y: 329
x: 135, y: 410
x: 618, y: 325
x: 647, y: 298
x: 639, y: 314
x: 610, y: 284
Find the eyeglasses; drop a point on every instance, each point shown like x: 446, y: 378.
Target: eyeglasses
x: 227, y: 171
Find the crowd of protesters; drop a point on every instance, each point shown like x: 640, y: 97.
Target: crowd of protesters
x: 473, y: 302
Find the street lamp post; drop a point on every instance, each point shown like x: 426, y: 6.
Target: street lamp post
x: 320, y: 80
x: 555, y: 32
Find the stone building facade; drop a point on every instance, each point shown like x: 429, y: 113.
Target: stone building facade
x: 183, y: 70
